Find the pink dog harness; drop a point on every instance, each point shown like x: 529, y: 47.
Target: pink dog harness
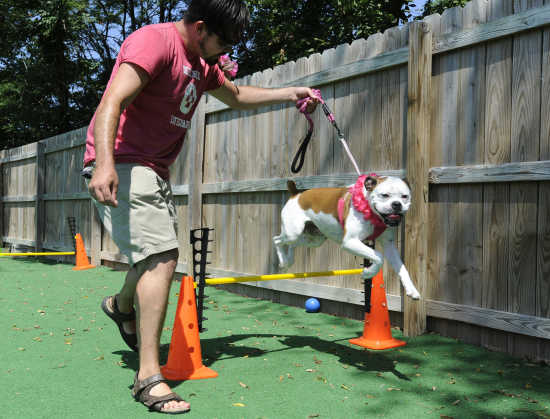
x: 361, y: 204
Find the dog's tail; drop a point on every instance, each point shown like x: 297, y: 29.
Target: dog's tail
x: 292, y: 188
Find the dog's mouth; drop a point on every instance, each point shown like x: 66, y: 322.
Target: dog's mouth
x: 392, y: 219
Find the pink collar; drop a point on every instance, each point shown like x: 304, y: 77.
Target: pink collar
x: 361, y: 204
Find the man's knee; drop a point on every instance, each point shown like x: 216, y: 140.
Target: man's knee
x: 168, y: 258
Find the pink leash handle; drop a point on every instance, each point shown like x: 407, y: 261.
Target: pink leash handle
x: 225, y: 59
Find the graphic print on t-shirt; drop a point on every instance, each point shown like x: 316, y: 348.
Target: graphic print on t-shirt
x: 189, y: 98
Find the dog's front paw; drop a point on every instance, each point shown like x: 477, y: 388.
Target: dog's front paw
x: 370, y: 271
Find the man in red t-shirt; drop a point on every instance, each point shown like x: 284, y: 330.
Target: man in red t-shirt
x: 135, y: 135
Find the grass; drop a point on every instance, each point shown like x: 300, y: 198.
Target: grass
x: 62, y: 357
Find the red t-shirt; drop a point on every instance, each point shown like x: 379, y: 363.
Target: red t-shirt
x: 152, y: 128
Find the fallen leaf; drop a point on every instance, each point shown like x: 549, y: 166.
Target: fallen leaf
x: 394, y: 389
x: 345, y: 387
x: 99, y: 358
x: 243, y: 385
x: 239, y: 404
x: 455, y: 402
x: 315, y: 415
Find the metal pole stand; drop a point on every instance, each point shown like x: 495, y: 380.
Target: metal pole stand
x: 199, y: 237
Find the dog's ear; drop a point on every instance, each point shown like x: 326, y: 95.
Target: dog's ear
x: 406, y: 182
x: 370, y: 183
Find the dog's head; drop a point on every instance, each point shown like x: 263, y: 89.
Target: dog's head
x: 389, y: 196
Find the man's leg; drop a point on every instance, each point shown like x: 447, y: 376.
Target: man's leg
x: 125, y: 299
x: 151, y: 300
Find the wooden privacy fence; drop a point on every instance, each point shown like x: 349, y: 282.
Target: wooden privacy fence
x: 457, y: 103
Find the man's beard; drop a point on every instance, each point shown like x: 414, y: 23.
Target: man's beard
x: 209, y: 60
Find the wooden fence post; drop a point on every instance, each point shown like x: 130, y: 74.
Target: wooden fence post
x: 1, y: 200
x: 39, y: 203
x: 417, y: 166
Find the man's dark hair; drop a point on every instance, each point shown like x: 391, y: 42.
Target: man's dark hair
x: 226, y: 18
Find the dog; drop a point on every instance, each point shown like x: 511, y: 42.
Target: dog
x: 368, y: 210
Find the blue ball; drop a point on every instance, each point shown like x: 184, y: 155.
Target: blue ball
x: 312, y: 305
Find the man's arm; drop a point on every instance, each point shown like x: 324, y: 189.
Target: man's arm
x: 249, y: 97
x: 128, y: 82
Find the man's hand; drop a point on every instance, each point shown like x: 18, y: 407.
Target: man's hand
x: 228, y: 66
x: 306, y: 92
x: 104, y: 186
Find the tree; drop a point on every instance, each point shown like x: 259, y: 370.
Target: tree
x: 439, y: 6
x: 57, y: 55
x: 285, y: 30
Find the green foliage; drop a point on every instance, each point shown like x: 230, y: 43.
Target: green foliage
x: 439, y: 6
x: 285, y: 30
x: 56, y: 58
x: 57, y: 55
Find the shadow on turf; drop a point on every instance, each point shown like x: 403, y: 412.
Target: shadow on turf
x: 224, y: 348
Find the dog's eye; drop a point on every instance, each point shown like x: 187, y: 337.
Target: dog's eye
x: 405, y: 196
x: 385, y: 195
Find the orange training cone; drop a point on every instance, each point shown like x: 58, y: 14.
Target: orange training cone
x: 184, y: 356
x: 376, y: 333
x: 82, y: 261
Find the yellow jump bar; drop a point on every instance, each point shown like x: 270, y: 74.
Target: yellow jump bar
x: 38, y: 254
x: 275, y: 277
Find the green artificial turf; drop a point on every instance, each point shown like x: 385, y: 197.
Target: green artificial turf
x: 62, y: 357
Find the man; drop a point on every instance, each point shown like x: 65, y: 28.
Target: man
x: 136, y: 133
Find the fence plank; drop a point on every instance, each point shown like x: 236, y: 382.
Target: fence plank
x: 498, y: 320
x: 543, y: 238
x: 534, y: 18
x: 496, y: 197
x: 39, y: 204
x: 444, y: 241
x: 490, y: 173
x: 525, y: 147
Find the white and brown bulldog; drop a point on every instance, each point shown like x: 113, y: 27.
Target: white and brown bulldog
x: 368, y: 210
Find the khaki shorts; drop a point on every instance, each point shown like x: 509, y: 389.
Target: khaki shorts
x: 144, y: 223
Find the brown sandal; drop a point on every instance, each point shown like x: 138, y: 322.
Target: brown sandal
x: 119, y: 317
x: 142, y: 393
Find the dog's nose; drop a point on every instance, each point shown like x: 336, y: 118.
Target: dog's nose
x: 396, y: 206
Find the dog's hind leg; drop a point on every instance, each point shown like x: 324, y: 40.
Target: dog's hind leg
x: 292, y: 227
x: 281, y: 249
